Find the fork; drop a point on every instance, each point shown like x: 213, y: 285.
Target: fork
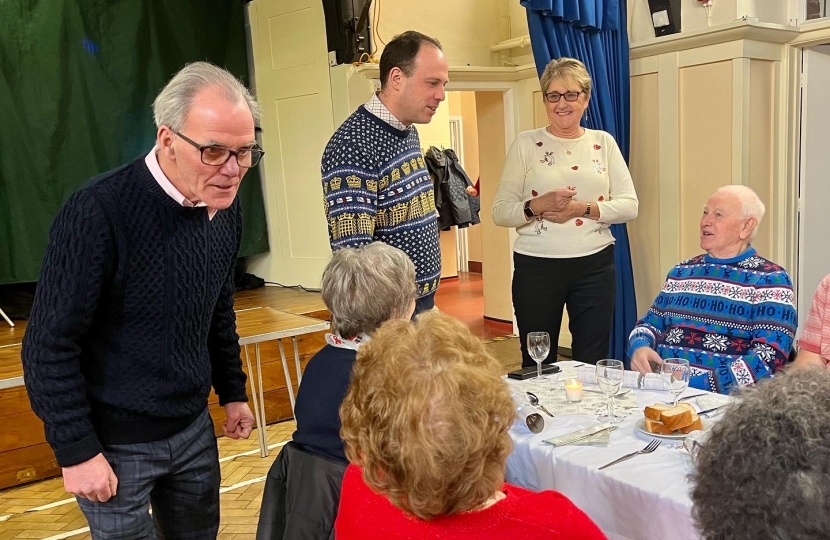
x: 650, y: 447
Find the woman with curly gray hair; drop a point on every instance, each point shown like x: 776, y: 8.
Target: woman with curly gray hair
x: 765, y: 470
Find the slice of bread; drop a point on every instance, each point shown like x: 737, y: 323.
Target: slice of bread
x: 657, y: 427
x: 677, y: 417
x: 697, y: 424
x: 653, y: 412
x: 688, y: 406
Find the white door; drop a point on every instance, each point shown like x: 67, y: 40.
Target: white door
x: 291, y: 73
x: 814, y: 176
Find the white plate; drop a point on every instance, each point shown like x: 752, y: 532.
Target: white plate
x: 641, y: 426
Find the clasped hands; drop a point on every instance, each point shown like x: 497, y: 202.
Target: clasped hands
x: 557, y: 206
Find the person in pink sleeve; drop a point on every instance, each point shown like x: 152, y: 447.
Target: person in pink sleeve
x: 814, y: 345
x: 424, y: 425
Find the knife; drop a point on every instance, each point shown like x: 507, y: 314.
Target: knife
x: 588, y: 435
x: 713, y: 409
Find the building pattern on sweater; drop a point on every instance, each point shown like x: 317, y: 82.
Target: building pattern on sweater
x: 733, y: 319
x: 133, y: 317
x: 377, y: 188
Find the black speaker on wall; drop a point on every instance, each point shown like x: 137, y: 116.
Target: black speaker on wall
x: 665, y: 16
x: 347, y: 28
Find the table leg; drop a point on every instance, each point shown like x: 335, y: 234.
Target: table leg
x: 287, y: 375
x: 297, y: 362
x: 3, y: 314
x: 260, y: 422
x: 264, y: 443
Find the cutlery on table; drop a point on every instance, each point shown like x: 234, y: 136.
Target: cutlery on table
x: 687, y: 397
x: 621, y: 393
x: 709, y: 411
x: 650, y: 447
x: 535, y: 402
x: 588, y: 435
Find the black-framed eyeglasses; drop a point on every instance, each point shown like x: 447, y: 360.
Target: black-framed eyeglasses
x: 554, y: 97
x: 217, y: 156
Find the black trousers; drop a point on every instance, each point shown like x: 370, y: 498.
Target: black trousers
x: 585, y: 285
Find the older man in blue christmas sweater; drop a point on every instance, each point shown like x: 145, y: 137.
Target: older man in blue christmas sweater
x: 729, y: 312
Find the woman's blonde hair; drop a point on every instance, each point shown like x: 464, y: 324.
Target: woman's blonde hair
x: 566, y: 69
x: 426, y: 417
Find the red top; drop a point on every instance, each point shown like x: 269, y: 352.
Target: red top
x: 524, y: 514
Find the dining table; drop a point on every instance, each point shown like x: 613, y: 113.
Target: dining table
x: 647, y: 497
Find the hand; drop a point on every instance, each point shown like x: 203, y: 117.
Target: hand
x: 572, y: 211
x: 641, y: 357
x: 553, y: 201
x: 93, y: 479
x: 240, y: 420
x: 806, y: 358
x: 471, y: 191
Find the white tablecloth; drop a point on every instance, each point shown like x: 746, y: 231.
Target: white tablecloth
x: 644, y: 498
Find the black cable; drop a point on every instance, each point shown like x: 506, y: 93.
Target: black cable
x: 292, y: 286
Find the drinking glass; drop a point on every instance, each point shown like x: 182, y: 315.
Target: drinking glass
x: 610, y: 378
x: 675, y: 373
x: 538, y: 347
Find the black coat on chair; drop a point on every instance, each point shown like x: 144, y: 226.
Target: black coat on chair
x: 301, y: 496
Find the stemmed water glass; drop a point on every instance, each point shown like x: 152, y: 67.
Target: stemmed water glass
x: 538, y: 347
x: 675, y: 373
x: 610, y: 378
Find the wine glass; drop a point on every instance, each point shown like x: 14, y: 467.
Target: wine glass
x: 610, y: 378
x: 538, y: 347
x: 675, y: 373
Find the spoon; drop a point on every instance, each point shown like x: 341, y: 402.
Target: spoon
x: 535, y: 402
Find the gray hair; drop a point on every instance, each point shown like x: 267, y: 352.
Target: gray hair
x: 173, y: 102
x: 366, y: 286
x: 765, y: 470
x: 751, y: 204
x: 566, y: 69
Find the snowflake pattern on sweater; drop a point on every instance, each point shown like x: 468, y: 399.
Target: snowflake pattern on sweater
x: 377, y: 188
x: 733, y: 319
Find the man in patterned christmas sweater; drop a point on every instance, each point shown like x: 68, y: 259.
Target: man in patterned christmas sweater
x: 729, y: 312
x: 375, y: 181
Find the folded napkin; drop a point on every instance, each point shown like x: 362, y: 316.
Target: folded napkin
x: 631, y: 379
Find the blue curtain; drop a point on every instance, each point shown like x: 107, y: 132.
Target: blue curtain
x: 594, y: 31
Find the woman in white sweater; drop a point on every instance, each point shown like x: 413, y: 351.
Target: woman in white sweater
x: 561, y: 188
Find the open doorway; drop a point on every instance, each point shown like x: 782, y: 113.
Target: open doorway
x: 814, y: 186
x: 464, y: 126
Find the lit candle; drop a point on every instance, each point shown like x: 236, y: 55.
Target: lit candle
x: 573, y: 390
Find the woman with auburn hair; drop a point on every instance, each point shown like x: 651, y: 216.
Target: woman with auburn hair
x: 424, y: 425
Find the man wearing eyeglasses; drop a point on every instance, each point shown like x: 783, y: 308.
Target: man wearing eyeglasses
x: 133, y: 319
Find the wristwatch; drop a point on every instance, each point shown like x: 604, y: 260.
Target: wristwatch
x: 529, y: 211
x: 587, y: 209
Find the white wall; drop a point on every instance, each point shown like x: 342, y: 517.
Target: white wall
x: 693, y: 14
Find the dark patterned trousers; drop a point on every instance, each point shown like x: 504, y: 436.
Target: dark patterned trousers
x: 179, y: 476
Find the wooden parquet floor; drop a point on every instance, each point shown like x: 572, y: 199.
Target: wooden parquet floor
x: 44, y: 510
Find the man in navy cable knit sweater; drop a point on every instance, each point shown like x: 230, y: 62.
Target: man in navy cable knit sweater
x: 133, y: 320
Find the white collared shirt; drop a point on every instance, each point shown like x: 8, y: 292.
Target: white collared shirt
x: 376, y: 107
x: 153, y: 164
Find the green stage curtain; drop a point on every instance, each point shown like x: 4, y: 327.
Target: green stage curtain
x: 77, y: 80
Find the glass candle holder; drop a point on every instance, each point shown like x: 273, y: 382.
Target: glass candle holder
x: 573, y: 390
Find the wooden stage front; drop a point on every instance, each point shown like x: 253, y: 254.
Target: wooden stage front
x: 24, y: 454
